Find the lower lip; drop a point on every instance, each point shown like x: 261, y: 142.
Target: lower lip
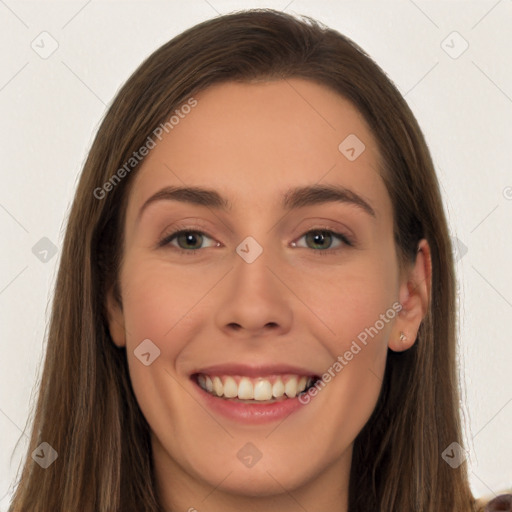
x: 250, y: 413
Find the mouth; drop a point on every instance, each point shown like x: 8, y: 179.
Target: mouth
x: 256, y: 394
x: 264, y: 389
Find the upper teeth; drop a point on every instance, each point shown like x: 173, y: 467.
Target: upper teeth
x: 259, y: 388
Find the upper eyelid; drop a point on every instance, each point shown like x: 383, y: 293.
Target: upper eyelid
x: 197, y: 224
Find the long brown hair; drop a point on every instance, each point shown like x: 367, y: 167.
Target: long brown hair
x: 86, y: 408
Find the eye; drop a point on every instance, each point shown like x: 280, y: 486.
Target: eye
x: 322, y: 239
x: 187, y: 240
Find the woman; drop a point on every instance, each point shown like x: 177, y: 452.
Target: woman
x: 250, y: 373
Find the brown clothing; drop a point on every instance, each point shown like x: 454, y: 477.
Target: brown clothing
x: 502, y: 503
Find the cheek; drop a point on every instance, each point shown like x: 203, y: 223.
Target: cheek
x: 158, y: 300
x: 163, y: 304
x: 353, y: 298
x: 358, y: 307
x: 155, y: 309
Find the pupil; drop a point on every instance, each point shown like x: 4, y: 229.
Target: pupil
x: 190, y: 238
x: 319, y: 237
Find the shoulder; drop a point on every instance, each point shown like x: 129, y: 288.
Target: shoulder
x: 501, y: 503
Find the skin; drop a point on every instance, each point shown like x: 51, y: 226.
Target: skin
x: 292, y: 305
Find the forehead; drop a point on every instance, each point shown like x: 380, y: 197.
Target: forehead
x: 253, y: 141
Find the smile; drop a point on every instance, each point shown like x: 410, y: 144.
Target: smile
x: 255, y: 389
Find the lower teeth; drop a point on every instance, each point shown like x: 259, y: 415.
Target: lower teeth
x: 284, y: 397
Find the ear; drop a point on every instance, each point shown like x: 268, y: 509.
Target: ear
x: 415, y: 289
x: 115, y: 317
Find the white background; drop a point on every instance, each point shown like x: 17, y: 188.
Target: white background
x: 51, y: 109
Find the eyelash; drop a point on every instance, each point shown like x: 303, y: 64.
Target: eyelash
x: 346, y: 240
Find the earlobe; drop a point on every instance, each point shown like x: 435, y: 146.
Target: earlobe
x: 415, y: 298
x: 115, y: 319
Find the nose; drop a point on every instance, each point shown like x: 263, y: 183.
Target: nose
x: 256, y: 301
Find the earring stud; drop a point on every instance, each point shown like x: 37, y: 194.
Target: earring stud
x: 403, y: 337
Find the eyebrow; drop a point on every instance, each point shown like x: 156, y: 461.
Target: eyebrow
x: 298, y: 197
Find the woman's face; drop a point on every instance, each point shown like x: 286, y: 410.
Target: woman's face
x: 271, y: 293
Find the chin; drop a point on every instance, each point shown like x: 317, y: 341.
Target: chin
x: 260, y: 481
x: 254, y: 485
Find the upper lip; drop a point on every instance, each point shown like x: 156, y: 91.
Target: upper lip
x: 254, y: 371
